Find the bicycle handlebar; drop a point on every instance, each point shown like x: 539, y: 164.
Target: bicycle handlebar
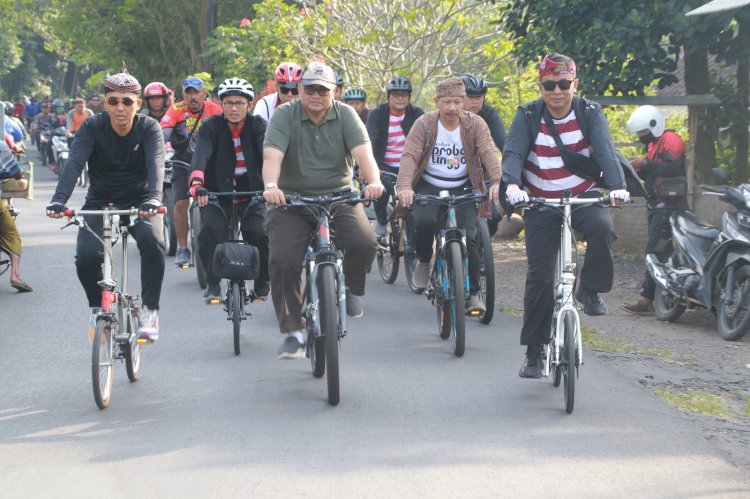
x: 451, y: 199
x: 236, y: 194
x: 131, y: 212
x: 352, y: 197
x: 177, y: 163
x: 603, y: 200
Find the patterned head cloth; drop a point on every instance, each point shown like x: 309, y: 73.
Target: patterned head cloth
x: 549, y: 67
x: 122, y: 82
x: 451, y: 87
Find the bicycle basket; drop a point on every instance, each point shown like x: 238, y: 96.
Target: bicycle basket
x: 236, y: 260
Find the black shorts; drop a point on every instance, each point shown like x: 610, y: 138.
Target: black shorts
x: 180, y: 183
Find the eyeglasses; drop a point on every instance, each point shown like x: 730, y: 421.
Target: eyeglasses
x: 114, y: 101
x: 286, y: 90
x: 549, y: 86
x: 312, y: 89
x: 234, y: 103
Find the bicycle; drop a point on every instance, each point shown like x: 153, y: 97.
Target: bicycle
x: 486, y: 292
x: 395, y: 244
x: 324, y: 309
x: 115, y: 333
x: 564, y: 352
x: 449, y: 281
x: 237, y: 296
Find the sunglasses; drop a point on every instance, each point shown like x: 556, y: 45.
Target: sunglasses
x: 192, y: 82
x: 312, y: 89
x: 549, y: 86
x: 286, y: 90
x: 114, y: 101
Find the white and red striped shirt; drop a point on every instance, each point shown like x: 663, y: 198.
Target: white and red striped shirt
x: 544, y: 172
x: 240, y: 168
x: 396, y: 140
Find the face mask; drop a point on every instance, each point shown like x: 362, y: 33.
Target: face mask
x: 647, y: 139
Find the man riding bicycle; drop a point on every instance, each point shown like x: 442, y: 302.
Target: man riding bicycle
x: 448, y: 149
x: 534, y: 164
x: 229, y: 157
x: 308, y: 149
x: 287, y: 77
x: 125, y: 154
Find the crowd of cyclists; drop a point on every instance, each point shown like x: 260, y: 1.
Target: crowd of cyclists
x: 309, y: 136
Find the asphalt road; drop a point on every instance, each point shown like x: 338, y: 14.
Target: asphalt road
x: 414, y: 420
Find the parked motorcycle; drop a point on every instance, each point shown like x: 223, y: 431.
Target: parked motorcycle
x: 710, y: 267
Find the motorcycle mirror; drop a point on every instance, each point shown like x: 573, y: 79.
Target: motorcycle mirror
x: 720, y: 175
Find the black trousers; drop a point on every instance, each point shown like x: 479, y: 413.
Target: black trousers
x: 215, y: 229
x: 381, y: 204
x: 659, y: 243
x: 428, y: 219
x: 149, y: 235
x: 542, y: 244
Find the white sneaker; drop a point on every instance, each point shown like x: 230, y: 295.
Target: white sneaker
x: 380, y: 230
x: 92, y: 323
x: 422, y: 274
x: 148, y: 325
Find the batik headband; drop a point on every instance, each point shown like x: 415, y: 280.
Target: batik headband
x: 550, y: 67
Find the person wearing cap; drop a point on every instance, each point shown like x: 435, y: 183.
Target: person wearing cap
x: 448, y: 149
x: 125, y: 155
x: 388, y: 125
x: 286, y: 78
x: 357, y: 98
x: 534, y: 165
x: 309, y: 148
x: 75, y: 118
x: 180, y: 125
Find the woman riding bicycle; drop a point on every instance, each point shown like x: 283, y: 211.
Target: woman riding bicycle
x: 10, y: 239
x: 448, y: 149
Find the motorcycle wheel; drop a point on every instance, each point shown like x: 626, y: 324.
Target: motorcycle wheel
x: 733, y: 316
x: 667, y: 306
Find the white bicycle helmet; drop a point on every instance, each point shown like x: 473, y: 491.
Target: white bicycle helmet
x: 647, y: 118
x: 236, y: 86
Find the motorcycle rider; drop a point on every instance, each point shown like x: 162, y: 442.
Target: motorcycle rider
x: 287, y: 77
x: 44, y: 123
x: 75, y: 118
x: 156, y: 97
x: 665, y: 157
x: 229, y: 157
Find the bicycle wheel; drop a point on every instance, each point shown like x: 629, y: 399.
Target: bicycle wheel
x: 569, y: 367
x: 195, y: 225
x: 442, y: 304
x: 486, y: 271
x: 733, y: 315
x: 387, y: 254
x: 103, y: 362
x: 457, y: 297
x: 316, y: 347
x: 329, y: 324
x: 170, y: 236
x: 557, y: 369
x: 410, y: 257
x: 132, y: 350
x: 235, y: 302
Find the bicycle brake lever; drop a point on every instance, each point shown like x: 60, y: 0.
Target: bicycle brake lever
x: 72, y: 222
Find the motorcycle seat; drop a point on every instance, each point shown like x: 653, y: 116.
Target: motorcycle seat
x: 691, y: 225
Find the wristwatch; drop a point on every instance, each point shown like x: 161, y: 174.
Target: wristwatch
x: 271, y: 185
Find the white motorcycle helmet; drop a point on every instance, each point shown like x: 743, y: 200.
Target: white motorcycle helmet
x: 647, y: 118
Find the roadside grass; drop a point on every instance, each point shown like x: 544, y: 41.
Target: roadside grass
x: 505, y: 309
x: 747, y: 407
x: 594, y: 339
x: 697, y: 401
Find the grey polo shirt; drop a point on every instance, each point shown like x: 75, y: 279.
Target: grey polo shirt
x: 317, y: 158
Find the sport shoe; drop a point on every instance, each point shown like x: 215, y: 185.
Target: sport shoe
x: 532, y: 367
x: 182, y: 258
x: 354, y: 305
x: 380, y: 230
x: 148, y: 325
x: 422, y: 274
x: 261, y: 289
x: 291, y: 349
x: 592, y: 304
x: 475, y: 305
x: 213, y: 292
x: 92, y: 323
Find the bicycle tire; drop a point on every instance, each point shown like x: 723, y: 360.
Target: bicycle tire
x: 329, y: 324
x: 195, y: 223
x: 570, y: 370
x: 235, y: 303
x: 556, y: 369
x: 486, y: 271
x: 388, y: 261
x: 456, y: 281
x: 316, y: 347
x: 410, y: 258
x: 170, y: 235
x: 103, y: 362
x: 132, y: 351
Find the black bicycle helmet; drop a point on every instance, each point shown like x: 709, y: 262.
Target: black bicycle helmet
x: 355, y: 93
x: 400, y: 83
x: 475, y: 85
x: 339, y: 79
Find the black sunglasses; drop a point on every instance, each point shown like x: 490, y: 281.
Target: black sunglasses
x: 286, y: 90
x: 114, y: 101
x: 322, y: 91
x: 549, y: 86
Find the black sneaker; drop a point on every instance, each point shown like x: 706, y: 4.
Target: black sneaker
x: 291, y: 349
x: 592, y: 304
x: 532, y: 367
x: 212, y: 293
x: 182, y: 258
x: 261, y: 289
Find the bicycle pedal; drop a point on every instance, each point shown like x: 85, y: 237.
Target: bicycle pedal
x: 142, y: 341
x: 213, y: 301
x: 184, y: 266
x: 474, y: 313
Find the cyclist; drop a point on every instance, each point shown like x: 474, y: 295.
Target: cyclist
x: 448, y: 149
x: 229, y: 157
x: 388, y: 126
x: 180, y: 125
x: 475, y: 102
x: 10, y: 239
x: 156, y: 95
x: 287, y: 77
x: 533, y: 164
x: 337, y: 92
x: 665, y: 158
x: 357, y: 98
x: 308, y: 149
x: 125, y: 154
x: 75, y: 118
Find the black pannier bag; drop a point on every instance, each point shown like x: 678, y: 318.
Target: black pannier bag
x: 236, y: 260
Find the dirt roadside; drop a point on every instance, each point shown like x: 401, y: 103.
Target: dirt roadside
x: 686, y: 364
